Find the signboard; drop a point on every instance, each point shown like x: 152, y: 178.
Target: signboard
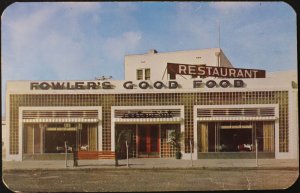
x: 70, y: 86
x: 131, y: 85
x: 205, y: 71
x: 140, y: 114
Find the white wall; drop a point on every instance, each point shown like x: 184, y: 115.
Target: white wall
x: 293, y: 124
x: 282, y: 81
x: 4, y: 137
x: 157, y: 62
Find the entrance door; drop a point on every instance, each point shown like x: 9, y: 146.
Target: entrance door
x: 148, y: 141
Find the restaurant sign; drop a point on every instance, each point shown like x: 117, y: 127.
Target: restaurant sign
x: 205, y: 71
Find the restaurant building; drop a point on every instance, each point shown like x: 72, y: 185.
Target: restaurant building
x: 222, y: 111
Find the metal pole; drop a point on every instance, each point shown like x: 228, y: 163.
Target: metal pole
x: 191, y: 152
x: 256, y: 152
x: 219, y: 33
x: 127, y: 153
x: 66, y: 154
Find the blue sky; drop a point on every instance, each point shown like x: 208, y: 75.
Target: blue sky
x: 79, y: 41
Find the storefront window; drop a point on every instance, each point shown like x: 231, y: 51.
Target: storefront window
x: 126, y: 132
x: 51, y: 137
x: 56, y: 135
x: 33, y: 144
x: 236, y: 136
x: 37, y: 140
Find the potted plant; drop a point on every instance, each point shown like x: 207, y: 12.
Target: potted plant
x: 175, y: 139
x: 120, y: 138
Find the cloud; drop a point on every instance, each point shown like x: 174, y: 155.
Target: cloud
x: 118, y: 46
x: 62, y: 54
x: 57, y: 40
x: 23, y: 30
x: 199, y: 29
x: 81, y: 7
x: 263, y: 41
x: 80, y: 40
x: 48, y: 34
x: 232, y: 6
x: 127, y: 6
x: 78, y: 9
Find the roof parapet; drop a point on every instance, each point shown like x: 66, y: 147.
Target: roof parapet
x: 152, y: 51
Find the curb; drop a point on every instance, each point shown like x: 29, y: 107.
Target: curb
x: 150, y: 168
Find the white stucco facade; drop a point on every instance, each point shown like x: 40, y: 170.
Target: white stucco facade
x: 109, y: 96
x: 157, y: 62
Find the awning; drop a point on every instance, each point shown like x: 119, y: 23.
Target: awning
x: 237, y: 118
x: 149, y: 120
x: 61, y: 120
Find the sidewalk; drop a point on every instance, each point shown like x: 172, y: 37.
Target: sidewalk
x: 153, y: 163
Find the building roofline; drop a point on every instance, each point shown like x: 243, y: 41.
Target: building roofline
x: 174, y: 51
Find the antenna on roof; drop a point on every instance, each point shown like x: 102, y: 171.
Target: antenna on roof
x: 103, y: 78
x: 219, y: 33
x: 219, y: 43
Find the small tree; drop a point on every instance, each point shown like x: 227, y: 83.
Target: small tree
x: 120, y: 138
x: 175, y: 139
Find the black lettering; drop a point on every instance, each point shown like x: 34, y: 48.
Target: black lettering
x: 140, y: 114
x: 225, y: 83
x: 158, y: 85
x: 210, y: 84
x: 173, y: 84
x: 79, y: 85
x: 170, y: 114
x: 144, y: 85
x: 45, y: 86
x: 34, y: 86
x: 128, y: 85
x: 125, y: 115
x: 238, y: 83
x: 106, y: 85
x: 197, y: 83
x: 68, y: 86
x: 91, y: 85
x: 58, y: 85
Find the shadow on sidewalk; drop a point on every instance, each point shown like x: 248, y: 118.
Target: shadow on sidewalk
x: 107, y: 165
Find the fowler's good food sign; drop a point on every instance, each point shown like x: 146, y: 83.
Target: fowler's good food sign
x: 201, y: 70
x: 171, y: 84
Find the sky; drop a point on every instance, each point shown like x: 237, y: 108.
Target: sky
x: 80, y: 41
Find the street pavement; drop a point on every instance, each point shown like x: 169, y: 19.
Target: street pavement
x: 149, y: 174
x: 141, y: 180
x: 152, y: 163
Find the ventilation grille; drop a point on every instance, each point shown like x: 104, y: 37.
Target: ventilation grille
x: 33, y: 114
x: 236, y: 112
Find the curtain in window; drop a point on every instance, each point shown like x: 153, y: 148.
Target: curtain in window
x: 203, y: 133
x: 29, y: 139
x: 37, y: 139
x: 147, y: 74
x: 268, y: 135
x: 92, y: 137
x: 139, y: 74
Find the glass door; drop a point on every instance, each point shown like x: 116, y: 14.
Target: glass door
x: 148, y: 141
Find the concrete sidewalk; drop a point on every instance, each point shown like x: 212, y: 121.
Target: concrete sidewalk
x: 153, y: 163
